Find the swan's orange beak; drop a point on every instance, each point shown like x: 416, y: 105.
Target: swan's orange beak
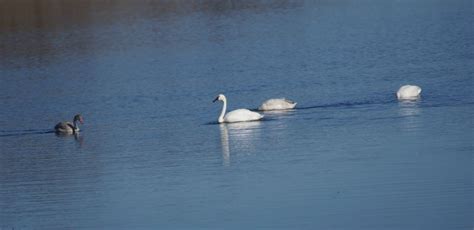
x: 217, y: 98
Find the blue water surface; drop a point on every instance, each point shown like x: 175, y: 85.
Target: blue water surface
x: 152, y: 156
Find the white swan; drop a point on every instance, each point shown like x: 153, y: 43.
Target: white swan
x: 66, y: 127
x: 277, y: 104
x: 237, y: 115
x: 409, y: 92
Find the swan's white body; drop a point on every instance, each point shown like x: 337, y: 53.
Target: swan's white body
x: 241, y: 115
x: 277, y: 104
x: 237, y: 115
x: 408, y: 92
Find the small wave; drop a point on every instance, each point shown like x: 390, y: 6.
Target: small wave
x: 346, y: 104
x: 212, y: 123
x: 12, y: 133
x: 266, y: 119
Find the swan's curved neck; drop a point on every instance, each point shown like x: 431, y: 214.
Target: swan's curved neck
x: 76, y: 126
x: 224, y: 107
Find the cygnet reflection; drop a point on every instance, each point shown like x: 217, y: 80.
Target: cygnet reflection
x: 78, y: 137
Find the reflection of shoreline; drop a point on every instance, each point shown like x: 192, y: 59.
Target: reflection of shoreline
x: 242, y: 135
x: 47, y: 30
x: 18, y: 15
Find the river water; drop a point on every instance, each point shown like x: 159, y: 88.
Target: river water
x: 151, y: 155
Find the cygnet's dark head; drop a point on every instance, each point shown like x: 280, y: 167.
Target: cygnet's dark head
x: 79, y: 118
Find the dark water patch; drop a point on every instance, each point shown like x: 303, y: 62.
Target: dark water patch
x: 347, y: 104
x: 264, y: 119
x: 12, y: 133
x: 453, y: 103
x: 274, y: 112
x: 212, y: 123
x: 391, y: 117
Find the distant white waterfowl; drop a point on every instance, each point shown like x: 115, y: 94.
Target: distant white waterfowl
x: 409, y: 92
x: 66, y: 127
x: 237, y: 115
x: 277, y: 104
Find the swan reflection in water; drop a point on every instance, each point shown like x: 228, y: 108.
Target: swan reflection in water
x: 410, y: 111
x: 78, y: 137
x: 242, y: 136
x: 225, y: 144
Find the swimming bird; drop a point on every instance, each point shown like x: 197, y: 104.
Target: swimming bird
x: 237, y: 115
x: 66, y: 127
x: 277, y: 104
x: 408, y: 92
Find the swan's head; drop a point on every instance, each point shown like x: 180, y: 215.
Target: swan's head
x: 219, y: 97
x: 79, y: 118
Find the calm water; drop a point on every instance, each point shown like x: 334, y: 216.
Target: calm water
x: 150, y: 154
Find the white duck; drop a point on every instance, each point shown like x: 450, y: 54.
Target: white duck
x: 237, y: 115
x: 66, y: 127
x: 277, y: 104
x: 409, y: 92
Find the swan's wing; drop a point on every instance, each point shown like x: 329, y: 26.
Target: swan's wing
x: 277, y: 103
x: 418, y: 89
x: 61, y: 125
x: 64, y: 126
x: 289, y: 101
x: 407, y: 91
x: 242, y: 115
x: 414, y: 90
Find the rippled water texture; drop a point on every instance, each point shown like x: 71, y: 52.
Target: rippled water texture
x: 151, y: 155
